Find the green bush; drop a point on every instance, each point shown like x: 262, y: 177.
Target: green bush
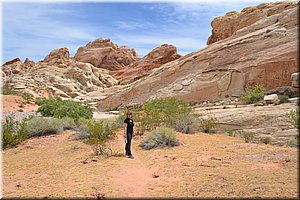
x: 208, y: 122
x: 160, y: 137
x: 55, y: 107
x: 186, y: 124
x: 13, y: 132
x: 158, y: 112
x: 28, y: 98
x: 8, y: 91
x: 100, y: 132
x: 266, y: 140
x: 283, y: 99
x: 254, y: 95
x: 293, y: 118
x: 44, y: 126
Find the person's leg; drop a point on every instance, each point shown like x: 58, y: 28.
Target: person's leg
x: 127, y: 148
x: 129, y: 137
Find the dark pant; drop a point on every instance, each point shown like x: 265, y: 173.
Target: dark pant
x: 128, y: 144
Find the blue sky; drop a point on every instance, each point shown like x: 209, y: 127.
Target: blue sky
x: 32, y: 30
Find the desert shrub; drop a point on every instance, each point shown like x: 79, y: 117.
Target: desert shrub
x: 55, y: 107
x: 44, y: 126
x: 293, y: 118
x: 266, y: 140
x: 230, y: 132
x: 13, y: 132
x: 186, y: 123
x: 82, y: 127
x: 8, y: 91
x: 160, y: 137
x: 165, y: 112
x: 290, y: 93
x: 283, y: 99
x: 247, y: 136
x: 100, y: 132
x: 207, y: 122
x: 254, y: 95
x: 68, y: 123
x: 28, y: 98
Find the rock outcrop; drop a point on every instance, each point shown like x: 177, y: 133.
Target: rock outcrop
x: 102, y: 53
x: 228, y: 25
x: 157, y: 57
x: 58, y: 57
x: 57, y: 75
x: 265, y: 52
x: 14, y: 66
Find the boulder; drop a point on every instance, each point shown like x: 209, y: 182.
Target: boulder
x: 271, y: 98
x: 295, y: 80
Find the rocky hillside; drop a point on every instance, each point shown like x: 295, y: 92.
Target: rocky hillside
x: 141, y: 68
x: 261, y: 51
x: 58, y: 74
x: 89, y: 70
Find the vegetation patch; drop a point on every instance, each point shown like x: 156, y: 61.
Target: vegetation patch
x: 160, y: 137
x: 208, y: 122
x: 39, y: 126
x: 55, y: 107
x: 293, y: 118
x: 13, y: 132
x: 254, y: 94
x: 8, y: 91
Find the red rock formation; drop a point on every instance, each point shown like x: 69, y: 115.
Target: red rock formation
x: 157, y: 57
x: 12, y: 61
x: 58, y: 56
x: 105, y: 54
x: 228, y: 25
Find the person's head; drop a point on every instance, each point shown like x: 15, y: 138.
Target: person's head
x: 129, y: 114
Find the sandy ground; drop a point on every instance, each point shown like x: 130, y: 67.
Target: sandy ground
x: 12, y: 103
x: 204, y: 165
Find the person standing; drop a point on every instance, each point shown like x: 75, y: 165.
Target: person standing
x: 128, y: 132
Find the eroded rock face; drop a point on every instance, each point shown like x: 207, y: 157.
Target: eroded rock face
x: 102, y: 53
x: 265, y: 52
x: 228, y: 25
x: 69, y: 81
x: 157, y: 57
x: 58, y: 56
x: 14, y: 66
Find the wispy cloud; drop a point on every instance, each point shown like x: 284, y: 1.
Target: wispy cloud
x: 35, y: 30
x: 134, y: 25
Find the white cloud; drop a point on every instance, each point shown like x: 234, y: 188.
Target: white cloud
x: 134, y: 25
